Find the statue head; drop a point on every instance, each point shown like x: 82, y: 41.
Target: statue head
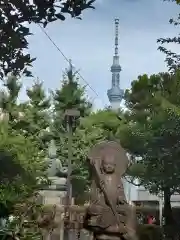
x: 110, y: 157
x: 108, y: 164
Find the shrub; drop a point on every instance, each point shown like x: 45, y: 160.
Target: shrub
x: 20, y: 166
x: 149, y: 232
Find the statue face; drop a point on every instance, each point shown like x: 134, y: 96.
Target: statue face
x: 108, y: 165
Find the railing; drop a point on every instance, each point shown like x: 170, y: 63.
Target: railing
x: 71, y: 230
x: 75, y: 224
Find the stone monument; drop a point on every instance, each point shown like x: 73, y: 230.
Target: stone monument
x: 57, y: 174
x: 107, y: 214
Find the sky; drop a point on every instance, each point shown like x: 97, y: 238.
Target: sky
x: 89, y: 43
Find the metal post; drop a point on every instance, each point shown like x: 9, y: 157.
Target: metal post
x: 69, y: 187
x: 161, y: 210
x: 71, y: 116
x: 129, y: 192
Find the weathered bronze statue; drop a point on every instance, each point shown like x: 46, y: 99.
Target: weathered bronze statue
x: 107, y: 215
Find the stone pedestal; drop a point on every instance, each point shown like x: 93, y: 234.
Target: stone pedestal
x: 55, y: 193
x: 52, y: 197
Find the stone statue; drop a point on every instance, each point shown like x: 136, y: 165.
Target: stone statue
x: 55, y: 166
x: 108, y: 212
x: 55, y: 191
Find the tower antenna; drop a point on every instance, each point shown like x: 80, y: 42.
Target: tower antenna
x: 116, y: 35
x: 115, y: 93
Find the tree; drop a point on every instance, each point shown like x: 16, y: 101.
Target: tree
x: 13, y: 17
x: 71, y: 95
x: 152, y: 132
x: 21, y: 167
x: 21, y: 159
x: 107, y: 120
x: 83, y: 140
x: 37, y: 115
x: 30, y: 118
x: 98, y: 126
x: 172, y: 58
x: 10, y: 108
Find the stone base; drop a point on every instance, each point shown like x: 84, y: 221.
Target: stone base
x: 54, y: 193
x: 58, y: 181
x: 52, y: 196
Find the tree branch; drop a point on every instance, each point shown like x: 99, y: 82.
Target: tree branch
x: 132, y: 182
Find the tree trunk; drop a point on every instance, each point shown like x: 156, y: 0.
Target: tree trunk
x: 168, y: 215
x: 169, y: 228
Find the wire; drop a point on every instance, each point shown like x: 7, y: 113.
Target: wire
x: 51, y: 40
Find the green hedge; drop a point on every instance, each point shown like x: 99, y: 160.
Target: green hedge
x: 149, y: 232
